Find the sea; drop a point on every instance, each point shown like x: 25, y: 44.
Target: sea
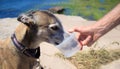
x: 13, y: 8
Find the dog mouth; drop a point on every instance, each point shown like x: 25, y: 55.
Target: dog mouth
x: 56, y: 43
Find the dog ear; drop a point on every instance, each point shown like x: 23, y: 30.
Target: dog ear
x: 25, y: 20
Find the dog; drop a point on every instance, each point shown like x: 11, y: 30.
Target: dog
x: 21, y: 50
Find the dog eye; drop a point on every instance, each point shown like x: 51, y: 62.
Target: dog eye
x: 30, y: 15
x: 54, y: 28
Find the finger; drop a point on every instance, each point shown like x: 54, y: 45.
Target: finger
x: 81, y: 45
x: 87, y: 40
x: 74, y: 29
x: 71, y: 30
x: 77, y: 29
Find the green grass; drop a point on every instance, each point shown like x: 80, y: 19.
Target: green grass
x: 89, y: 9
x: 92, y: 59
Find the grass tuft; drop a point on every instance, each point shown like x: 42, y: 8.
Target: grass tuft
x: 92, y: 59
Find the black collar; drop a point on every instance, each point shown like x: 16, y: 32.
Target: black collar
x: 35, y: 53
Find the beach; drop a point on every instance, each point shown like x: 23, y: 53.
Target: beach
x: 110, y: 41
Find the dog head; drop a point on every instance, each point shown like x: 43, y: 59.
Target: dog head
x: 48, y: 28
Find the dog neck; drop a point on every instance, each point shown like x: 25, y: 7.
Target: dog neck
x: 24, y: 39
x: 35, y: 53
x: 27, y: 36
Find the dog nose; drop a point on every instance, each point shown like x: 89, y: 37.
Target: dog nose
x: 19, y: 18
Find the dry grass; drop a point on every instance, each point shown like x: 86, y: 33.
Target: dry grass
x: 92, y: 59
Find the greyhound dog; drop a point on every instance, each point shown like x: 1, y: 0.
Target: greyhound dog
x: 21, y: 50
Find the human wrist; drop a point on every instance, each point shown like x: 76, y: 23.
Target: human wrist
x: 98, y: 30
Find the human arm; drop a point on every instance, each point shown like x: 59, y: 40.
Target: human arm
x: 87, y: 35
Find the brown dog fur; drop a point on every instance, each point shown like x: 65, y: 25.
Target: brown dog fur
x: 30, y: 36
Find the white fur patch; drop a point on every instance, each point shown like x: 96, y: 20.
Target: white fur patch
x: 51, y: 25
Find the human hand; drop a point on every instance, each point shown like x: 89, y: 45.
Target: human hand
x: 85, y: 35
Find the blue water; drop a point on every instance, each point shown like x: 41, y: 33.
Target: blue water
x: 12, y: 8
x: 102, y: 1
